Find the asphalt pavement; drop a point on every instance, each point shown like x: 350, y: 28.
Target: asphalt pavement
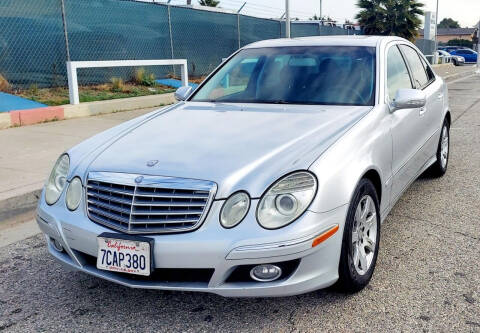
x: 427, y: 276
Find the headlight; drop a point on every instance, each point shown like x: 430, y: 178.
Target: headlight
x: 74, y: 194
x: 234, y: 209
x: 57, y: 180
x: 286, y: 200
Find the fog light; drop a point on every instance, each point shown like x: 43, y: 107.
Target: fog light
x: 57, y: 245
x: 265, y: 273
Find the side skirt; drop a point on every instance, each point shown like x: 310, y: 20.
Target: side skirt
x: 387, y: 211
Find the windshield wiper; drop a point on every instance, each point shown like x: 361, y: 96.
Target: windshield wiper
x: 280, y: 101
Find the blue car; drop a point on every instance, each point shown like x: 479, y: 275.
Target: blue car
x: 449, y: 49
x: 469, y: 55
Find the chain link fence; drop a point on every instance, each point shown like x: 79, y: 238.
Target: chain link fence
x: 427, y: 47
x: 37, y: 37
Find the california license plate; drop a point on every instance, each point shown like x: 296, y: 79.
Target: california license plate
x: 132, y: 255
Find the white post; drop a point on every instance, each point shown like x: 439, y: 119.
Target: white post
x: 184, y: 74
x: 72, y: 67
x: 72, y: 83
x: 320, y: 9
x: 287, y: 22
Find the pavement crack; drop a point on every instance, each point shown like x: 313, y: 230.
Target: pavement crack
x: 466, y: 110
x: 472, y: 323
x: 6, y: 325
x: 469, y: 298
x: 291, y: 321
x: 438, y: 225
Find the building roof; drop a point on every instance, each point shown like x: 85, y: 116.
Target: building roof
x: 452, y: 31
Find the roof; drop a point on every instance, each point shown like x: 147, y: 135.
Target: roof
x: 452, y: 31
x: 359, y: 40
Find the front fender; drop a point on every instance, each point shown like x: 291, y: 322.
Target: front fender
x: 367, y: 146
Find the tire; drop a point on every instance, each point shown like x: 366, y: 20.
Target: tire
x: 356, y: 267
x: 454, y: 62
x: 439, y: 168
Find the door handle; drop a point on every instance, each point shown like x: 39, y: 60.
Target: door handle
x: 440, y: 96
x: 422, y: 111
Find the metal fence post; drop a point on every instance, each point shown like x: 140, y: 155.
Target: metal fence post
x: 171, y: 35
x: 65, y: 32
x: 238, y: 29
x: 238, y: 24
x: 287, y: 17
x: 478, y: 49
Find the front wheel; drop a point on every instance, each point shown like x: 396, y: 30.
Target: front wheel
x: 361, y: 238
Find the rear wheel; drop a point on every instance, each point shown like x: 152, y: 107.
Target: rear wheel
x: 439, y: 168
x: 361, y: 238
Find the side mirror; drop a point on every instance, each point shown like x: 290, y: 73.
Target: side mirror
x: 182, y: 93
x: 408, y: 99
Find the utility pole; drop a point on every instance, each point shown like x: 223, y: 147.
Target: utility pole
x: 240, y: 9
x: 320, y: 10
x: 478, y: 48
x: 287, y: 22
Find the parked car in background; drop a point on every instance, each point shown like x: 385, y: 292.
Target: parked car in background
x: 450, y: 48
x: 272, y: 178
x: 457, y: 60
x: 469, y: 55
x: 446, y: 57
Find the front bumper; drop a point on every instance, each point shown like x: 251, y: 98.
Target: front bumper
x: 211, y: 247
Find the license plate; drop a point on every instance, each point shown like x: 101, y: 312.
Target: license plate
x: 132, y: 256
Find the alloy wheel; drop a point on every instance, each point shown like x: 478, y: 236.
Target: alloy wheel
x: 444, y: 147
x: 364, y: 235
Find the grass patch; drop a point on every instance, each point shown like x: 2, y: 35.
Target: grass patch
x: 114, y: 90
x: 4, y: 85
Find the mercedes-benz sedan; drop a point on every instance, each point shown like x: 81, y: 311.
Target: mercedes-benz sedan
x: 271, y: 178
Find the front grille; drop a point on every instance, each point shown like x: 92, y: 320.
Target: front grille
x: 149, y: 208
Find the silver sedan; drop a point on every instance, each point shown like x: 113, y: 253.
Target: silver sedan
x: 271, y: 178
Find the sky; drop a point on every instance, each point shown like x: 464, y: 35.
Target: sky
x: 467, y: 12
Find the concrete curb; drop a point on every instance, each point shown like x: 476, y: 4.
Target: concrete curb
x: 115, y: 105
x: 34, y: 116
x: 52, y: 113
x: 19, y: 203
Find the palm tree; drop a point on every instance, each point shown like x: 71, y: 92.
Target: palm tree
x: 372, y: 16
x: 403, y: 18
x: 391, y: 17
x: 209, y: 3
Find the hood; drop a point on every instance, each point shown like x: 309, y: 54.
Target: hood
x: 243, y: 147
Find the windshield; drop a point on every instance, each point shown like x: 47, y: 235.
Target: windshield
x: 326, y: 75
